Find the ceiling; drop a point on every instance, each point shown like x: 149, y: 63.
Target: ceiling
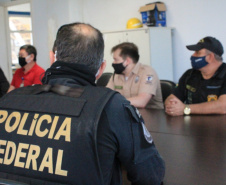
x: 12, y: 2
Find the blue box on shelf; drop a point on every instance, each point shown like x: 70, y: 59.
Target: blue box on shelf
x: 153, y: 14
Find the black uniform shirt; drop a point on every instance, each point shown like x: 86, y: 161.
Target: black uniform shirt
x: 193, y: 88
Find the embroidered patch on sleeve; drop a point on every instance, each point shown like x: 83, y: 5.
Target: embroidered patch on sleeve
x: 149, y: 79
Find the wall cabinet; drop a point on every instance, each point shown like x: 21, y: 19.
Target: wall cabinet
x: 154, y: 44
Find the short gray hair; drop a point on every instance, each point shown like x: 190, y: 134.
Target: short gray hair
x: 217, y: 57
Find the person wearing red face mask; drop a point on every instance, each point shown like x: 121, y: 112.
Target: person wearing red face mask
x: 30, y: 73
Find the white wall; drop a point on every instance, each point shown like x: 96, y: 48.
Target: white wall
x: 3, y: 44
x: 192, y: 20
x: 75, y: 10
x: 47, y: 17
x: 20, y: 8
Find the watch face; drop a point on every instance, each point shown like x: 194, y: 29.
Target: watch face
x: 187, y: 110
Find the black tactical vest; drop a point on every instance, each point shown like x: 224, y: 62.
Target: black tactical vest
x: 49, y: 133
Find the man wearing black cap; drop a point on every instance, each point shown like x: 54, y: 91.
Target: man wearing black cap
x: 202, y: 89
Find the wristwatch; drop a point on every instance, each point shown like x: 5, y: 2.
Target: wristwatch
x: 187, y: 110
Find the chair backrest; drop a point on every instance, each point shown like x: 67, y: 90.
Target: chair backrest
x: 167, y: 88
x: 10, y: 182
x: 103, y: 80
x: 13, y: 179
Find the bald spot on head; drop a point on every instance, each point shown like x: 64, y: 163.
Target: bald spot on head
x: 85, y: 30
x: 80, y: 43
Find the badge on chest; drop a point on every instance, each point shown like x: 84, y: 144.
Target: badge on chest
x: 118, y: 87
x: 212, y: 97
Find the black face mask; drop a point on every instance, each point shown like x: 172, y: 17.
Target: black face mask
x: 119, y: 68
x: 22, y: 61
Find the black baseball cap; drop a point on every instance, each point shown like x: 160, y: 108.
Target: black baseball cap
x: 209, y: 43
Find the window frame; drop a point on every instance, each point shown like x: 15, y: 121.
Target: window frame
x: 13, y: 67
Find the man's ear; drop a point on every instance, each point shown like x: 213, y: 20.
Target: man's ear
x: 210, y: 57
x: 128, y: 61
x: 101, y: 69
x: 52, y: 57
x: 32, y: 56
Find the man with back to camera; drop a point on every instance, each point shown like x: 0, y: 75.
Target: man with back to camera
x: 30, y: 72
x: 202, y: 89
x: 68, y: 130
x: 138, y: 83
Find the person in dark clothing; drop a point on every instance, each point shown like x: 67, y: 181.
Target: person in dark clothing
x: 70, y: 131
x: 202, y: 89
x: 4, y: 84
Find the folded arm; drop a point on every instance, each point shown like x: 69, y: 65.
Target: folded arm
x: 175, y: 107
x: 141, y: 100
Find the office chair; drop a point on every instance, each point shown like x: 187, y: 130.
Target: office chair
x: 167, y: 88
x: 103, y: 80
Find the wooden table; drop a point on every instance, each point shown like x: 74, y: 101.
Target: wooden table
x: 193, y: 147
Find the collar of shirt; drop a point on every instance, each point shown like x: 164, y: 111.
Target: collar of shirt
x: 136, y: 68
x: 33, y: 68
x: 221, y: 71
x: 134, y: 71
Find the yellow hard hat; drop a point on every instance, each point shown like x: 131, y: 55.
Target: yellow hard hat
x: 134, y: 23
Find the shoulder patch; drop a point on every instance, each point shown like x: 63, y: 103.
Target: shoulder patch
x: 147, y: 134
x: 137, y: 116
x: 149, y: 79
